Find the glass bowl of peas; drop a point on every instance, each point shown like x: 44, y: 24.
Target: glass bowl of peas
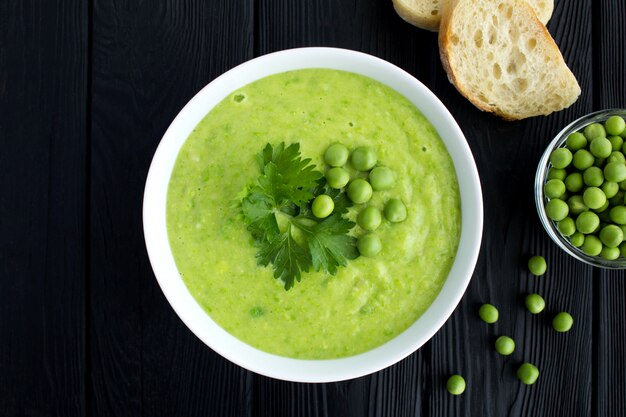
x: 580, y: 189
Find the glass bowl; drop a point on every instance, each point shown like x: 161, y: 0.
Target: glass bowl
x: 541, y: 199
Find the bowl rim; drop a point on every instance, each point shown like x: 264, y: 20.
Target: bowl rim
x: 540, y: 198
x: 304, y: 370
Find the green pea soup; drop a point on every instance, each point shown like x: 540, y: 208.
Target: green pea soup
x: 365, y: 304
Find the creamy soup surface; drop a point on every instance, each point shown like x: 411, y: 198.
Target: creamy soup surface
x: 366, y: 303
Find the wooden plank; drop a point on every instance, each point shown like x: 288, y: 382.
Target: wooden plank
x: 149, y: 59
x: 610, y: 311
x: 43, y: 79
x: 506, y: 154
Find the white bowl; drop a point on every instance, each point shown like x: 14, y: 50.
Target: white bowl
x: 200, y: 322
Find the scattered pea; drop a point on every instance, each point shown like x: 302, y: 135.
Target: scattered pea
x: 576, y: 204
x: 609, y: 189
x: 616, y: 156
x: 456, y: 385
x: 537, y: 265
x: 593, y: 177
x: 618, y: 214
x: 337, y: 177
x: 556, y: 174
x: 610, y: 254
x: 360, y: 191
x: 616, y: 142
x: 382, y: 178
x: 615, y: 171
x: 395, y: 210
x: 535, y: 303
x: 528, y: 373
x: 505, y: 345
x: 336, y: 155
x: 369, y: 218
x: 363, y: 158
x: 369, y: 245
x: 562, y: 322
x: 322, y: 206
x: 488, y: 313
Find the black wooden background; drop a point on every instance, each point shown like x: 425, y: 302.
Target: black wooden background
x: 88, y: 87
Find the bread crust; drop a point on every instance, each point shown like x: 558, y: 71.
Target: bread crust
x: 446, y: 50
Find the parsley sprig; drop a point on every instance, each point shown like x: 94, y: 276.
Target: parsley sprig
x: 277, y: 211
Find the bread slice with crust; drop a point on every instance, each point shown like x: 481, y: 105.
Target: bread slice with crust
x: 502, y: 58
x: 426, y: 14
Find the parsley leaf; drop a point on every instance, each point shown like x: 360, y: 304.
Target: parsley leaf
x: 299, y: 241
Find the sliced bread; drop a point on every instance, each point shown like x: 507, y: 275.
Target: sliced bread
x: 426, y: 14
x: 502, y: 58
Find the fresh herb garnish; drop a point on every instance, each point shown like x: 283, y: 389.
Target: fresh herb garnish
x: 277, y: 211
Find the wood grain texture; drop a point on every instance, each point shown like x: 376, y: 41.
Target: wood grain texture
x: 610, y: 312
x: 43, y: 69
x: 149, y: 59
x: 506, y: 154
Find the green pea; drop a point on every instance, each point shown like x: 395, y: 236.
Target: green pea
x: 395, y: 210
x: 537, y: 265
x: 535, y: 303
x: 556, y: 174
x: 363, y: 158
x: 567, y: 227
x: 609, y: 189
x: 593, y: 177
x: 382, y: 178
x: 610, y: 254
x: 528, y: 373
x: 603, y: 207
x: 369, y: 245
x: 587, y: 221
x: 337, y: 177
x: 322, y: 206
x: 618, y: 214
x: 616, y: 156
x: 614, y: 125
x: 562, y: 322
x: 615, y: 172
x: 557, y: 209
x: 594, y: 130
x: 488, y: 313
x: 336, y: 155
x: 600, y: 147
x: 611, y: 235
x: 583, y: 159
x: 554, y: 188
x: 505, y: 345
x: 573, y: 183
x: 456, y: 385
x: 616, y: 142
x: 576, y: 141
x: 577, y: 239
x: 592, y: 245
x: 359, y: 191
x: 622, y: 249
x: 576, y: 204
x: 561, y: 158
x: 369, y: 218
x: 594, y: 198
